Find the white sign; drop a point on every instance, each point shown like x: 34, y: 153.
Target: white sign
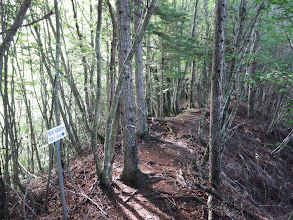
x: 56, y: 133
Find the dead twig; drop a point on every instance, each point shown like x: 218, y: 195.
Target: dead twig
x: 88, y: 198
x: 24, y: 202
x: 283, y: 144
x: 196, y: 198
x: 131, y: 196
x: 229, y: 203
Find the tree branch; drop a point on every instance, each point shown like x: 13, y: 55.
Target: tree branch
x: 31, y: 23
x: 15, y: 26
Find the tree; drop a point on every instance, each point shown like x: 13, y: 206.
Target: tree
x: 97, y: 106
x: 57, y: 107
x: 131, y: 161
x: 123, y: 68
x: 4, y: 47
x: 141, y: 124
x: 216, y: 98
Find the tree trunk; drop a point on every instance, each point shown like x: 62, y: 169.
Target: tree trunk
x: 141, y: 124
x: 113, y: 52
x: 84, y: 64
x: 161, y: 109
x: 181, y: 83
x: 57, y: 108
x: 192, y: 82
x: 6, y: 136
x: 124, y: 66
x: 148, y: 80
x: 216, y: 98
x: 131, y: 161
x: 3, y: 49
x: 98, y: 90
x: 13, y: 29
x: 202, y: 88
x: 251, y: 87
x: 2, y: 197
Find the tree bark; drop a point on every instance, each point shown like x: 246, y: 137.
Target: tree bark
x: 131, y: 160
x: 113, y: 52
x: 98, y: 89
x: 57, y: 107
x: 202, y: 88
x: 84, y: 64
x: 2, y: 197
x: 15, y: 26
x: 216, y: 98
x: 3, y: 49
x: 124, y: 67
x: 141, y: 124
x: 251, y: 87
x: 193, y: 63
x: 181, y: 82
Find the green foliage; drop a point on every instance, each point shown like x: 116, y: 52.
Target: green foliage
x: 285, y: 7
x: 172, y: 29
x: 169, y: 14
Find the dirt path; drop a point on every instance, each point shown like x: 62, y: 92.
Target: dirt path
x: 167, y: 194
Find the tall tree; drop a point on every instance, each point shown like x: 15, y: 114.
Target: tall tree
x: 216, y: 98
x: 141, y: 124
x: 97, y: 106
x: 124, y: 65
x: 193, y: 64
x: 131, y: 161
x: 4, y: 47
x: 57, y: 106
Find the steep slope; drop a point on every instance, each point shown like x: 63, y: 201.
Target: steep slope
x: 254, y: 184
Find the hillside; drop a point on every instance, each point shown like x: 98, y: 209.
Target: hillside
x: 255, y: 186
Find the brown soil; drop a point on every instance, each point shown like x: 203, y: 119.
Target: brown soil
x: 252, y: 181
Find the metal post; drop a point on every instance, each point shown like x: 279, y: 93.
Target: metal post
x: 61, y: 182
x: 57, y: 108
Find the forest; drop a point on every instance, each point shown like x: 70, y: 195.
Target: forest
x: 166, y: 109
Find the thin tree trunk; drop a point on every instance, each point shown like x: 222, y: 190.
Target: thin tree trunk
x: 84, y: 64
x: 251, y: 87
x: 181, y: 83
x: 193, y: 63
x: 161, y: 109
x: 283, y: 144
x: 98, y: 90
x: 3, y: 49
x: 6, y: 136
x: 192, y: 82
x: 141, y: 124
x: 289, y: 40
x: 202, y: 88
x: 113, y: 52
x: 216, y: 99
x: 57, y: 108
x: 148, y: 80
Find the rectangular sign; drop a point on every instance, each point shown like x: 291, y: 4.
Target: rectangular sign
x: 56, y: 133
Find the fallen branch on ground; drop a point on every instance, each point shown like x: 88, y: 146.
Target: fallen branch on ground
x: 24, y: 202
x: 283, y: 144
x: 229, y: 203
x: 88, y: 198
x: 196, y: 198
x: 131, y: 196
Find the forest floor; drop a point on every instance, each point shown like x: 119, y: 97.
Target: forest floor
x: 254, y: 185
